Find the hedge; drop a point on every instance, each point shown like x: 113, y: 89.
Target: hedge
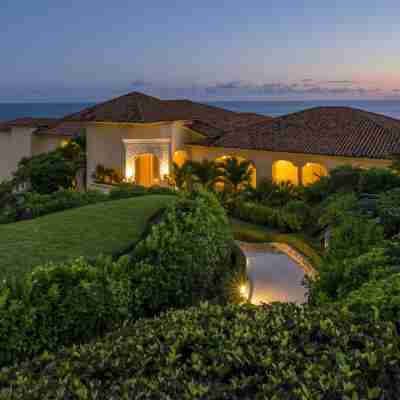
x: 282, y: 351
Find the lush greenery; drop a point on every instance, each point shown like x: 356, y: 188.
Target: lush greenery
x: 19, y: 206
x: 61, y: 304
x: 213, y: 352
x: 107, y: 175
x: 103, y: 228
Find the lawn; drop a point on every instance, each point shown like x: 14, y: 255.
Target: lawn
x: 105, y: 228
x: 248, y: 232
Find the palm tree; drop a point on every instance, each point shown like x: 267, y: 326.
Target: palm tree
x: 237, y: 174
x: 207, y: 173
x: 182, y: 176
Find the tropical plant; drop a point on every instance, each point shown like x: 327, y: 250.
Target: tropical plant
x: 207, y: 172
x: 236, y: 174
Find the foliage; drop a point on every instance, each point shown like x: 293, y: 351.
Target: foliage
x: 344, y: 178
x: 49, y: 172
x: 280, y: 351
x: 107, y: 175
x: 377, y: 299
x: 377, y: 180
x: 337, y: 208
x: 350, y: 239
x: 58, y: 304
x: 34, y: 205
x: 161, y: 190
x: 395, y: 163
x: 127, y: 190
x: 185, y: 258
x: 292, y: 218
x: 206, y: 172
x: 182, y: 177
x: 389, y: 211
x: 236, y: 174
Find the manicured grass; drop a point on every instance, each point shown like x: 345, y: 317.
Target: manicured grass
x: 104, y: 228
x: 248, y: 232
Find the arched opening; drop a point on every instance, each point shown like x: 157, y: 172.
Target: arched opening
x: 312, y: 172
x: 285, y: 171
x: 252, y: 169
x: 180, y: 157
x: 147, y: 170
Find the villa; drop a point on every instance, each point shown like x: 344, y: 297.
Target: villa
x: 142, y: 136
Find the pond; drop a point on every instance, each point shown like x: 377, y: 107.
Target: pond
x: 273, y: 275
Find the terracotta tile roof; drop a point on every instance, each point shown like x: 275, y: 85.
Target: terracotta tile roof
x: 337, y: 131
x: 29, y: 123
x: 138, y: 107
x: 68, y: 129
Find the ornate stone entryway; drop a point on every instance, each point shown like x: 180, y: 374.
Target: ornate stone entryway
x: 147, y: 161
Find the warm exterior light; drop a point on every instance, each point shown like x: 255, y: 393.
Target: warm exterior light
x: 243, y: 290
x: 129, y: 173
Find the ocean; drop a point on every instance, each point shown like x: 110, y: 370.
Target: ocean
x: 390, y: 108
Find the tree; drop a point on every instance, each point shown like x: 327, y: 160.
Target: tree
x: 207, y: 173
x: 236, y: 174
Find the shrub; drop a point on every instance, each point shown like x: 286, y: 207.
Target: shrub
x: 255, y: 213
x: 107, y: 175
x: 377, y: 299
x: 58, y: 304
x: 350, y: 239
x: 377, y: 180
x: 186, y: 257
x: 161, y: 190
x: 49, y: 172
x: 127, y: 190
x: 344, y: 179
x: 35, y: 204
x: 337, y: 208
x: 280, y: 351
x: 389, y: 211
x: 300, y: 209
x: 316, y: 192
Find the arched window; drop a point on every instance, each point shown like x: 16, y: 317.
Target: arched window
x: 312, y: 172
x: 285, y: 171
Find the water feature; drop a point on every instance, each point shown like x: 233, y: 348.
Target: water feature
x: 273, y: 275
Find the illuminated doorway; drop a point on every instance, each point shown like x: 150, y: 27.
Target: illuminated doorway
x: 147, y: 170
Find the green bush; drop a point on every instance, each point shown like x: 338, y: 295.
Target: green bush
x: 49, y: 172
x: 185, y: 258
x: 350, y: 239
x: 59, y: 304
x: 377, y: 180
x: 377, y: 299
x: 281, y: 351
x: 35, y: 204
x: 291, y: 218
x: 389, y: 211
x: 344, y: 179
x: 127, y: 190
x: 161, y: 190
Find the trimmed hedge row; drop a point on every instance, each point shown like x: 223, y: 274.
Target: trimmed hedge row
x: 29, y: 205
x: 212, y: 352
x: 293, y: 217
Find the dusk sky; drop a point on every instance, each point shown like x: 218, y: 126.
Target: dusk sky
x: 84, y: 50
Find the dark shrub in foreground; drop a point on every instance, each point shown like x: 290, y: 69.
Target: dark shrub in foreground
x: 127, y: 190
x: 212, y: 352
x: 59, y: 304
x: 186, y: 257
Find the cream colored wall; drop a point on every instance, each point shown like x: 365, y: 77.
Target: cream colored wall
x: 13, y: 147
x: 105, y: 142
x: 46, y: 143
x: 264, y: 160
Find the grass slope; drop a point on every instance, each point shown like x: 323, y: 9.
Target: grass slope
x: 248, y: 232
x: 104, y: 228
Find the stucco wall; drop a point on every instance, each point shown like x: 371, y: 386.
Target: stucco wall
x: 264, y: 160
x: 14, y: 146
x: 45, y: 144
x: 105, y: 142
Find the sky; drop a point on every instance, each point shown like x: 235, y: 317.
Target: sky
x: 85, y: 50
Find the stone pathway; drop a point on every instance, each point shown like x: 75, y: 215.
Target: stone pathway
x: 274, y: 276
